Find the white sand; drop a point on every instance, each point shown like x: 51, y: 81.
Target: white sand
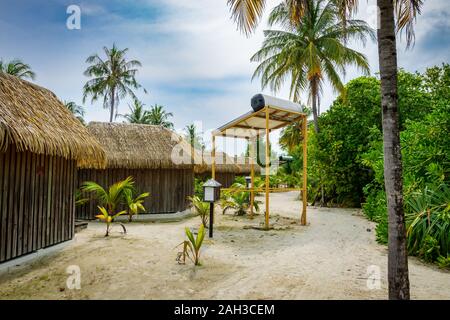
x: 328, y: 259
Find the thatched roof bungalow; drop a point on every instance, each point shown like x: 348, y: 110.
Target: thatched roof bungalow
x: 226, y: 168
x: 41, y: 143
x: 157, y: 158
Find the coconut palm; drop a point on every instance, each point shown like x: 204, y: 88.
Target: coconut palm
x: 112, y: 197
x: 393, y: 14
x: 113, y: 78
x: 310, y: 52
x: 137, y: 114
x: 193, y: 137
x: 17, y: 68
x: 158, y: 116
x: 77, y: 111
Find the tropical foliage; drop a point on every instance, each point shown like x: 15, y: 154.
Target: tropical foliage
x: 77, y: 111
x: 193, y: 137
x: 137, y: 114
x: 134, y: 203
x: 108, y: 218
x: 202, y: 208
x: 112, y: 197
x: 158, y: 116
x: 113, y: 77
x: 238, y: 201
x: 17, y: 68
x: 310, y: 51
x: 346, y: 156
x: 191, y: 246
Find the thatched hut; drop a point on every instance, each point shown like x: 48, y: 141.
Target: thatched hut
x: 226, y: 168
x: 40, y: 143
x: 157, y: 158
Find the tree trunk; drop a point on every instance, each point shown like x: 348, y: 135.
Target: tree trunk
x: 113, y: 101
x: 398, y: 255
x: 314, y: 107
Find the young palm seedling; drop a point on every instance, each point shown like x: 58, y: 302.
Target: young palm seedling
x: 134, y: 204
x: 202, y: 208
x: 108, y: 219
x: 191, y: 247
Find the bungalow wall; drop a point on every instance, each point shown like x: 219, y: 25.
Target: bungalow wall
x: 168, y: 188
x: 37, y: 204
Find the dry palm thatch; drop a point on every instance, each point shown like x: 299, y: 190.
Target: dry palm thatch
x: 224, y: 163
x: 33, y: 119
x: 244, y: 165
x: 142, y: 146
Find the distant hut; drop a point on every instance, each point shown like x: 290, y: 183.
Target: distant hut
x: 157, y: 158
x: 226, y: 168
x: 40, y: 143
x: 245, y: 167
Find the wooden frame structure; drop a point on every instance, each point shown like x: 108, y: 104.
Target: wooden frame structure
x: 254, y: 124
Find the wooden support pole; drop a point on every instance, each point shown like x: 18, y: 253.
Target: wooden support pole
x: 267, y: 168
x: 252, y: 175
x: 305, y: 170
x: 213, y: 156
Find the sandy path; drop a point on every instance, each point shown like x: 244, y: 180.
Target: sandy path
x: 326, y: 260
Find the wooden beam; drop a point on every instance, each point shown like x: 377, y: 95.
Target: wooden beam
x: 305, y: 171
x: 213, y: 156
x: 267, y: 167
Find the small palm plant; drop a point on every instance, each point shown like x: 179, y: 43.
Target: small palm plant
x: 108, y: 219
x: 112, y: 197
x: 135, y: 204
x: 202, y: 208
x: 191, y: 247
x: 239, y: 201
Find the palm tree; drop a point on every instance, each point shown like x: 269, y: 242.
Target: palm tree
x: 247, y: 14
x: 137, y: 114
x: 310, y: 52
x: 113, y: 78
x: 158, y: 116
x: 193, y: 137
x: 17, y: 68
x: 77, y: 111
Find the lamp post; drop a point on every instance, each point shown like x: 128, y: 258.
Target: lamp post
x: 211, y: 193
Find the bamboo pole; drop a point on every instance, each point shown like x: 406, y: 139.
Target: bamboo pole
x: 213, y: 155
x: 305, y: 170
x: 267, y: 168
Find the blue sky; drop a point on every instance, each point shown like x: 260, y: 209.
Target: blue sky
x: 195, y: 62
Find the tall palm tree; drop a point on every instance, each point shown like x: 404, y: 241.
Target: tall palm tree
x: 137, y: 114
x: 17, y: 68
x: 113, y: 78
x: 193, y: 137
x: 158, y: 116
x: 77, y: 111
x: 310, y: 52
x: 247, y: 14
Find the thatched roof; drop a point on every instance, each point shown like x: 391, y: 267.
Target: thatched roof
x: 244, y: 165
x: 224, y: 163
x: 33, y: 119
x: 141, y: 146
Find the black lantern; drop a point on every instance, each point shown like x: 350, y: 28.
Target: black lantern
x: 211, y: 193
x: 248, y: 181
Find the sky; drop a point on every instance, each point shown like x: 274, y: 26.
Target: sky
x: 195, y: 61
